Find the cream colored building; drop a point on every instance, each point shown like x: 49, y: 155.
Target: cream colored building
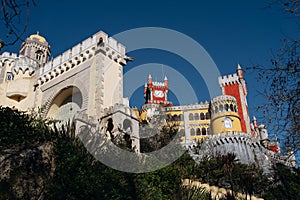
x: 86, y: 80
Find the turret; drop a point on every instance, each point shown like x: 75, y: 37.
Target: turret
x: 149, y: 80
x: 157, y: 92
x: 166, y: 82
x: 235, y: 85
x: 255, y: 122
x: 224, y: 115
x: 37, y: 48
x: 240, y: 72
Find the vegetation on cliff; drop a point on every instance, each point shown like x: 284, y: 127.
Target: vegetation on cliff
x: 39, y: 162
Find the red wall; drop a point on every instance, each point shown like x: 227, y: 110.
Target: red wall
x: 233, y: 90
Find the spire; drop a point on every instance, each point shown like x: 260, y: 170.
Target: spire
x: 149, y: 79
x: 165, y: 79
x: 239, y: 66
x: 240, y: 72
x: 255, y: 122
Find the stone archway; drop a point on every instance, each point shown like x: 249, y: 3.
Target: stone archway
x: 66, y: 104
x: 127, y: 126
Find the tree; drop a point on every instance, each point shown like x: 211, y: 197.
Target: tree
x: 286, y: 184
x: 15, y: 17
x: 282, y: 84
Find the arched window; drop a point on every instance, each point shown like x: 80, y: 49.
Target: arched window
x: 231, y: 108
x: 181, y: 133
x: 203, y: 131
x: 221, y: 108
x: 181, y: 117
x: 235, y: 109
x: 127, y: 126
x: 39, y: 55
x: 9, y: 76
x: 207, y: 115
x: 191, y: 116
x: 216, y: 109
x: 198, y: 132
x: 100, y: 42
x: 175, y: 118
x: 202, y: 117
x: 226, y: 107
x: 169, y: 118
x: 192, y: 132
x: 196, y: 116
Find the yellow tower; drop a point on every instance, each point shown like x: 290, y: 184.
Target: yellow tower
x: 224, y: 115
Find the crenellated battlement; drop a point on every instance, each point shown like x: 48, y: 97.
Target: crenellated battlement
x: 23, y: 64
x: 119, y: 108
x: 201, y: 105
x: 9, y: 58
x: 8, y: 55
x: 223, y: 99
x: 98, y: 43
x: 158, y: 84
x: 228, y: 80
x: 18, y: 63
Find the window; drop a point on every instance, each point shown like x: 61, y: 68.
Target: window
x: 100, y: 42
x: 198, y: 132
x: 196, y: 116
x: 175, y: 118
x: 202, y: 117
x: 38, y: 55
x: 221, y: 108
x: 181, y: 133
x: 203, y: 131
x: 231, y: 107
x: 181, y: 117
x: 226, y: 107
x: 207, y: 115
x: 9, y: 76
x: 192, y: 132
x: 191, y: 116
x: 235, y: 109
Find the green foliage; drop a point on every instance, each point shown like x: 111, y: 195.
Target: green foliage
x: 160, y: 139
x: 286, y: 184
x: 191, y: 193
x: 19, y: 127
x: 77, y: 175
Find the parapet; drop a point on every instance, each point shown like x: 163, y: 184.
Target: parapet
x: 158, y: 84
x: 201, y: 105
x: 228, y: 80
x: 98, y: 43
x: 23, y: 64
x: 8, y: 55
x: 223, y: 98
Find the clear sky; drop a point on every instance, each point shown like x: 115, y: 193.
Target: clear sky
x: 232, y: 32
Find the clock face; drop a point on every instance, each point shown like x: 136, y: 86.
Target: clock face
x: 158, y: 93
x: 227, y: 123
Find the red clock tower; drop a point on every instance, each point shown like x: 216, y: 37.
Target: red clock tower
x: 157, y: 92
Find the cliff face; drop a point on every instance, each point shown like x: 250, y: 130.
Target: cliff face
x: 25, y: 170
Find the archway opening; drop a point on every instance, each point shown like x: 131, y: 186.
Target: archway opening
x: 66, y: 104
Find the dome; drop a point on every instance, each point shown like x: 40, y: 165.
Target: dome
x: 38, y: 37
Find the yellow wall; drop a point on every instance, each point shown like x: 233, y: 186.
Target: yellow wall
x: 217, y: 122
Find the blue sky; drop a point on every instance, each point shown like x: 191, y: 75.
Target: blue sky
x: 230, y: 31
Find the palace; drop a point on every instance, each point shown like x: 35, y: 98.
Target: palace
x: 87, y: 81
